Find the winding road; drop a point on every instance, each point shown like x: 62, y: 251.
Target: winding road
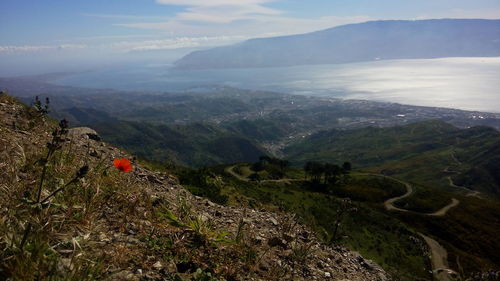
x: 439, y: 255
x: 389, y: 204
x: 231, y: 171
x: 439, y: 260
x: 470, y: 193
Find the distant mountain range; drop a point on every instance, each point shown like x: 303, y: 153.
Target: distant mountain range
x: 375, y: 40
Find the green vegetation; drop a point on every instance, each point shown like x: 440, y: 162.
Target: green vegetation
x: 424, y: 200
x: 364, y: 227
x: 203, y: 183
x: 195, y: 144
x: 434, y: 157
x: 68, y: 214
x: 424, y: 154
x: 389, y: 238
x: 369, y: 188
x: 419, y: 153
x: 467, y: 232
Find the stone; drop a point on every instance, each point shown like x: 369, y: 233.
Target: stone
x: 157, y: 265
x: 122, y: 275
x: 94, y: 153
x: 94, y: 136
x: 209, y: 203
x: 134, y: 241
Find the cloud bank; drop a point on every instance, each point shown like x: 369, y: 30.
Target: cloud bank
x: 39, y: 48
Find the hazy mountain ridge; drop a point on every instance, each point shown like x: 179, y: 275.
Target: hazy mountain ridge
x: 368, y: 41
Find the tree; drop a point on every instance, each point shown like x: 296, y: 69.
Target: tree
x: 317, y: 171
x: 331, y: 171
x: 42, y: 109
x: 346, y: 167
x: 344, y: 207
x: 308, y: 169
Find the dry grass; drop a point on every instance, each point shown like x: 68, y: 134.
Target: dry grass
x: 102, y: 224
x: 110, y: 225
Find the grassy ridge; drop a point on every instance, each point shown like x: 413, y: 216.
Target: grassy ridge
x: 424, y: 154
x: 369, y: 230
x: 386, y: 237
x: 419, y: 153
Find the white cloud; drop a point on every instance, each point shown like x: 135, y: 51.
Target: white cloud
x: 209, y: 23
x: 120, y: 16
x: 39, y: 48
x: 175, y: 43
x: 220, y: 11
x: 246, y: 18
x: 493, y: 13
x: 225, y: 14
x: 476, y: 13
x: 131, y: 45
x: 256, y: 26
x: 201, y: 24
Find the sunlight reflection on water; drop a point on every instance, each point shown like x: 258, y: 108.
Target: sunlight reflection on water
x: 465, y: 83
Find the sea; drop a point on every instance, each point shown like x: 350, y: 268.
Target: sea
x: 463, y: 83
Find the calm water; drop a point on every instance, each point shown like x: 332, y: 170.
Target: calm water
x: 465, y: 83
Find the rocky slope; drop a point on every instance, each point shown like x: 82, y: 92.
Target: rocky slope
x: 67, y: 213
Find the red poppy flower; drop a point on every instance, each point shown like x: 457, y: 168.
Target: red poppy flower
x: 123, y: 164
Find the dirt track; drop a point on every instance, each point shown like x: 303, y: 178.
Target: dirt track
x: 439, y: 260
x: 439, y: 255
x: 231, y: 171
x: 389, y: 203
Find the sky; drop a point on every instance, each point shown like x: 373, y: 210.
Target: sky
x: 87, y: 32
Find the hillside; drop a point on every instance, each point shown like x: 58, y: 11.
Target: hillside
x: 68, y: 214
x: 376, y: 40
x: 367, y: 229
x: 427, y: 153
x: 196, y: 144
x: 383, y: 221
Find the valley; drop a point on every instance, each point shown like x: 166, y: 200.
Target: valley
x: 414, y: 168
x: 250, y: 140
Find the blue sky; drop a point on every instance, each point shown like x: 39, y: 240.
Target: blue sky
x: 97, y: 28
